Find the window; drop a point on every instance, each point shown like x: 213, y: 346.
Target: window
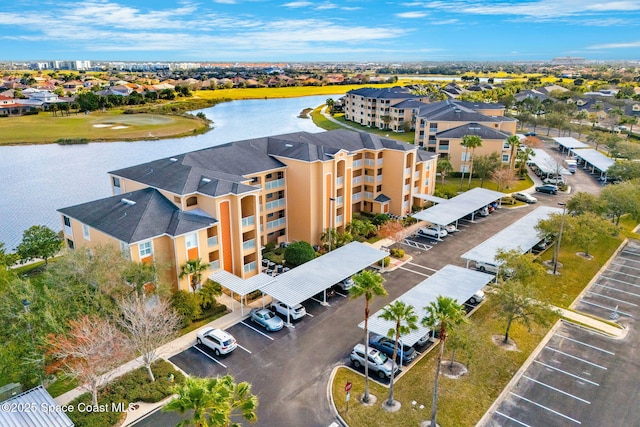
x: 85, y: 232
x: 192, y: 201
x: 124, y: 248
x: 145, y: 249
x: 505, y: 157
x: 67, y: 221
x: 191, y: 240
x: 466, y: 156
x: 70, y: 244
x: 379, y: 188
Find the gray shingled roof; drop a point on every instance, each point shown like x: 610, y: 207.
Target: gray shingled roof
x: 382, y: 198
x: 137, y: 216
x: 392, y: 92
x: 484, y: 132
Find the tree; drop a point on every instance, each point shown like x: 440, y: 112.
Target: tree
x: 7, y: 259
x: 514, y: 144
x: 139, y: 276
x: 392, y: 230
x: 549, y: 229
x: 518, y: 302
x: 39, y: 241
x: 624, y: 170
x: 367, y: 283
x: 583, y: 202
x: 194, y: 268
x: 521, y: 267
x: 208, y: 293
x: 361, y: 228
x: 469, y: 142
x: 503, y: 177
x: 444, y: 168
x: 443, y: 315
x: 215, y: 402
x: 621, y: 199
x: 586, y: 229
x: 149, y: 324
x: 463, y: 338
x: 485, y: 165
x: 298, y: 253
x: 90, y: 349
x: 523, y: 159
x: 405, y: 320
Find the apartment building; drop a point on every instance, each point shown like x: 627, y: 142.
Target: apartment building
x: 393, y: 108
x: 222, y: 204
x: 440, y: 127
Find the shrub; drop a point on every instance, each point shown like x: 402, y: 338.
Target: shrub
x: 397, y: 253
x: 386, y: 260
x: 187, y: 305
x: 298, y: 253
x: 380, y: 219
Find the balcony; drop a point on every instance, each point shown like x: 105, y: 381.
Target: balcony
x: 339, y: 219
x: 276, y: 223
x: 379, y: 178
x: 369, y: 162
x: 416, y: 174
x: 214, y: 265
x: 269, y: 185
x: 212, y: 241
x: 356, y: 197
x: 407, y: 187
x: 248, y: 221
x: 407, y: 171
x: 357, y: 180
x: 379, y: 162
x: 250, y: 267
x: 357, y: 163
x: 405, y: 205
x: 274, y: 204
x: 68, y: 231
x: 368, y: 195
x: 249, y: 244
x: 369, y: 178
x: 339, y: 200
x: 340, y: 180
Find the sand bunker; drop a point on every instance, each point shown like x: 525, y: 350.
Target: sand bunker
x: 119, y: 127
x: 103, y: 125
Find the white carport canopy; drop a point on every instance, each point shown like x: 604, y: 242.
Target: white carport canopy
x: 595, y: 159
x: 546, y: 163
x: 241, y: 286
x: 457, y: 207
x: 303, y: 282
x: 450, y: 281
x: 569, y: 143
x: 520, y: 236
x: 430, y: 198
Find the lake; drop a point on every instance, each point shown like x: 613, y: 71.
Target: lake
x: 35, y: 180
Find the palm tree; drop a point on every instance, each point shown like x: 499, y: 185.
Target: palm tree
x: 445, y: 167
x: 469, y: 142
x: 369, y: 284
x: 523, y: 157
x: 193, y: 268
x: 405, y: 319
x: 443, y: 315
x: 215, y: 401
x: 514, y: 144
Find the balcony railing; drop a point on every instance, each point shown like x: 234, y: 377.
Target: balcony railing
x: 379, y: 161
x: 407, y: 171
x: 212, y: 241
x: 339, y: 219
x: 214, y: 265
x: 416, y: 174
x: 249, y: 244
x: 274, y: 204
x: 368, y: 195
x: 405, y: 205
x: 276, y: 223
x: 357, y: 163
x: 250, y: 267
x: 340, y: 180
x: 379, y: 178
x: 274, y: 184
x: 355, y: 197
x: 248, y: 220
x: 68, y: 231
x: 369, y: 178
x: 357, y: 180
x: 339, y: 200
x: 369, y: 162
x: 407, y: 187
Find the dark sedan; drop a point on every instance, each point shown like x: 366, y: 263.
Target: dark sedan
x: 547, y: 188
x: 385, y: 345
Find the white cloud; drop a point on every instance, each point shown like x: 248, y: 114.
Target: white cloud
x: 445, y: 22
x: 225, y: 1
x: 411, y: 15
x: 297, y: 4
x: 621, y: 45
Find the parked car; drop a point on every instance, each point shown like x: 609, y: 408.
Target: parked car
x: 476, y: 298
x: 451, y: 228
x: 483, y: 212
x: 296, y: 312
x: 555, y: 181
x: 547, y: 188
x: 378, y: 362
x: 432, y: 232
x: 345, y: 284
x: 524, y: 197
x: 217, y: 340
x: 530, y: 134
x: 486, y: 267
x: 267, y: 319
x: 386, y: 344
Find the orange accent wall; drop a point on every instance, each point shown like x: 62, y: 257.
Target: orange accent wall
x: 147, y: 260
x: 192, y: 253
x: 328, y: 190
x: 225, y: 229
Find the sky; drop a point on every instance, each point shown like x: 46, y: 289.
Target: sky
x: 290, y: 31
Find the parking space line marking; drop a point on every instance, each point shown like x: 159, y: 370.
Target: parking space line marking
x: 342, y: 295
x: 624, y: 274
x: 260, y: 332
x: 621, y: 281
x: 309, y: 314
x: 414, y: 272
x: 318, y: 301
x: 616, y: 289
x: 628, y: 259
x: 566, y: 373
x: 612, y: 298
x: 512, y: 419
x: 630, y: 252
x: 247, y: 350
x: 576, y: 357
x: 544, y: 407
x: 422, y: 266
x: 612, y: 309
x: 624, y: 265
x: 586, y: 345
x: 556, y: 389
x: 215, y: 360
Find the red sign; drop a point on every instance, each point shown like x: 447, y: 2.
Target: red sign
x: 347, y: 387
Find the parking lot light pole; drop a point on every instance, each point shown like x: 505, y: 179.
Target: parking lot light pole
x: 557, y: 248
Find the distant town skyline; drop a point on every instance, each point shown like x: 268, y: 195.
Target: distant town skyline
x: 315, y: 31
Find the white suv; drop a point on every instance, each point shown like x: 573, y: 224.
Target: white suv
x: 296, y: 312
x: 217, y: 340
x: 378, y: 362
x: 486, y: 267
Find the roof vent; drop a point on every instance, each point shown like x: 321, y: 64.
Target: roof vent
x: 128, y: 202
x: 173, y: 159
x: 206, y: 180
x: 288, y: 145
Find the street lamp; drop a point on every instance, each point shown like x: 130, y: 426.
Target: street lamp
x: 331, y: 200
x: 557, y: 248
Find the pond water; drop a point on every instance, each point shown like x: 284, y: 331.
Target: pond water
x: 35, y: 180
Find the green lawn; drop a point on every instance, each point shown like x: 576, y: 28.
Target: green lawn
x: 452, y: 185
x: 462, y: 402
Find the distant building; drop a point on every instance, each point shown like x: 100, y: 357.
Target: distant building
x: 568, y: 60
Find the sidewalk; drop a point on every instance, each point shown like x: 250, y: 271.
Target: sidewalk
x: 592, y: 322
